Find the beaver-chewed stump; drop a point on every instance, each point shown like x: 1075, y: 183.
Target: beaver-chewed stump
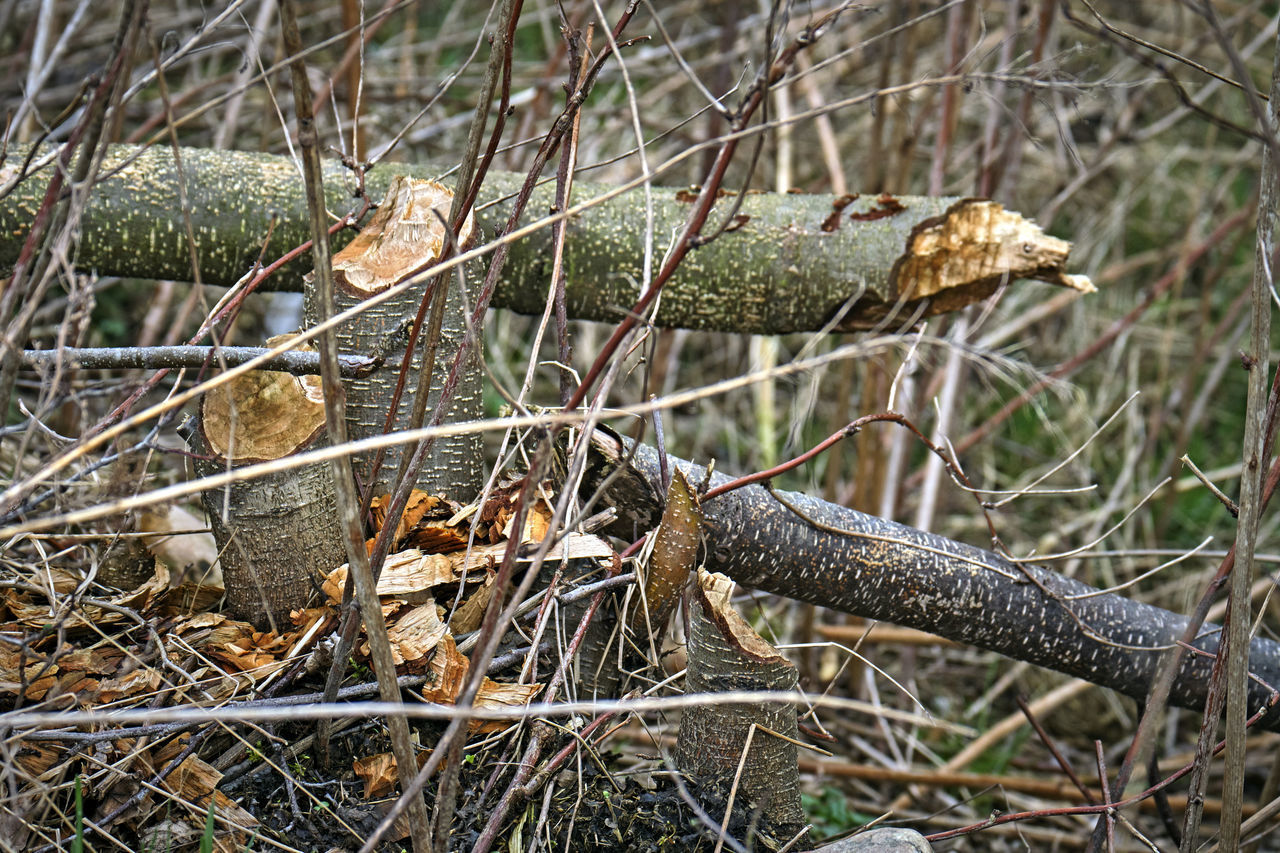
x: 276, y: 532
x: 401, y: 242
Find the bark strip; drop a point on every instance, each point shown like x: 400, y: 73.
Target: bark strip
x: 793, y: 262
x: 674, y: 552
x: 826, y: 554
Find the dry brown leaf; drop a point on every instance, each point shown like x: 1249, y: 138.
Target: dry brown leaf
x: 574, y: 546
x: 447, y: 669
x: 468, y: 615
x: 194, y: 595
x: 217, y: 633
x: 153, y: 589
x: 242, y: 659
x: 537, y: 521
x: 59, y: 579
x: 378, y: 772
x: 423, y: 525
x: 199, y: 620
x: 415, y: 635
x: 35, y: 690
x: 412, y: 575
x: 84, y: 688
x: 32, y: 615
x: 436, y: 536
x: 303, y: 619
x: 499, y: 696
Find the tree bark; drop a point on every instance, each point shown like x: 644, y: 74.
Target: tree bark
x: 274, y: 533
x: 746, y: 749
x: 826, y: 554
x: 405, y: 237
x: 789, y: 262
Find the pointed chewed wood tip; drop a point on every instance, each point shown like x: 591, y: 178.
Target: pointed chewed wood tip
x: 716, y: 592
x: 973, y: 248
x: 1081, y: 283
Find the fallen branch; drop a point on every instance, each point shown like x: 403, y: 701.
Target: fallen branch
x: 165, y: 358
x: 789, y: 262
x: 798, y: 546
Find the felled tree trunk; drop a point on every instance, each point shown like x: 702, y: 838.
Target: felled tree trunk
x: 274, y: 533
x: 790, y: 262
x: 405, y: 237
x: 804, y: 548
x: 743, y: 751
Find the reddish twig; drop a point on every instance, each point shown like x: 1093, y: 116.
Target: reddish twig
x: 691, y: 237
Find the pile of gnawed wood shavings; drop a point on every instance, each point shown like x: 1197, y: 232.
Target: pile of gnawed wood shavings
x: 71, y: 646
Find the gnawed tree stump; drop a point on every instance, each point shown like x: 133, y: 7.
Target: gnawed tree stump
x: 276, y: 533
x: 804, y: 548
x: 405, y: 237
x: 743, y: 751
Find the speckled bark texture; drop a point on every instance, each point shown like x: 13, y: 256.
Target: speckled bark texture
x: 670, y: 563
x: 454, y: 467
x: 405, y: 236
x: 860, y: 564
x: 276, y: 534
x: 791, y: 262
x: 726, y: 655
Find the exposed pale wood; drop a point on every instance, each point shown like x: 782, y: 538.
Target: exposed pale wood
x: 274, y: 533
x: 747, y: 751
x: 406, y: 235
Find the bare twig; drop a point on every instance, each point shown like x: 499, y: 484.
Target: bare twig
x: 335, y: 418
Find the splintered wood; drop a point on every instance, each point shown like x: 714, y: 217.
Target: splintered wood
x: 964, y: 256
x: 977, y: 241
x: 412, y: 581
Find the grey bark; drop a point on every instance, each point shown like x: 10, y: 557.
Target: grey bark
x: 159, y: 358
x: 794, y: 262
x: 275, y: 534
x: 836, y: 557
x: 726, y: 655
x: 455, y: 465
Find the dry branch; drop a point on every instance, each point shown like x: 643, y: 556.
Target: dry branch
x: 790, y: 262
x: 298, y: 363
x: 804, y: 548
